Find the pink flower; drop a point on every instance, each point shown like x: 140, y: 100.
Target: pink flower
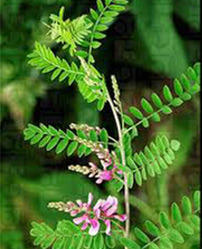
x: 103, y: 211
x: 105, y: 175
x: 108, y: 171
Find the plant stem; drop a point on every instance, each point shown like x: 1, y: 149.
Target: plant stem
x: 126, y: 189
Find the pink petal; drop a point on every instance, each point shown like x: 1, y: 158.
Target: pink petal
x: 80, y: 203
x: 95, y: 226
x: 74, y: 212
x: 99, y: 181
x: 97, y: 213
x: 109, y: 202
x: 90, y: 199
x: 93, y: 166
x: 92, y: 174
x: 79, y: 220
x: 98, y: 205
x: 106, y: 175
x: 111, y: 210
x: 108, y: 229
x: 120, y: 172
x: 84, y: 226
x: 120, y: 217
x: 105, y: 164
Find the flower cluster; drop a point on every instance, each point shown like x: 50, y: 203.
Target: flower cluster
x: 90, y: 217
x: 108, y: 172
x: 92, y: 170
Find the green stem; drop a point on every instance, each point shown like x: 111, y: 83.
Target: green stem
x: 126, y: 189
x: 93, y: 32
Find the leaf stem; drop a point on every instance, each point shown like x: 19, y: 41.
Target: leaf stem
x: 148, y: 117
x: 93, y: 32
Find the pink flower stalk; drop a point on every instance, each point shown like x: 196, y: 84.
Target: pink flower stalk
x: 104, y: 210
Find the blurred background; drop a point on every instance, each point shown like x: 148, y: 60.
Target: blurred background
x: 148, y: 45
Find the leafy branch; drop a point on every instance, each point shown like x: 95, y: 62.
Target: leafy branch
x: 185, y: 87
x: 44, y: 59
x: 183, y: 223
x: 90, y: 83
x: 101, y: 18
x: 51, y: 138
x: 68, y: 236
x: 157, y: 156
x: 70, y: 33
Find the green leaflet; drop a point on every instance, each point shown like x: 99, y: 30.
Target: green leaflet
x: 93, y: 136
x: 176, y: 214
x: 58, y: 140
x: 129, y: 243
x: 104, y: 137
x: 169, y: 231
x: 164, y: 220
x: 54, y: 141
x: 98, y: 241
x: 136, y: 112
x: 141, y: 236
x: 154, y: 158
x: 101, y: 19
x: 184, y: 88
x: 186, y: 205
x: 66, y: 235
x: 127, y: 120
x: 147, y: 106
x: 152, y: 228
x: 110, y: 242
x: 156, y: 100
x: 44, y: 59
x: 197, y: 200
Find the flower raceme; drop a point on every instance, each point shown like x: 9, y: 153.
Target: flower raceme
x: 91, y: 217
x: 108, y: 172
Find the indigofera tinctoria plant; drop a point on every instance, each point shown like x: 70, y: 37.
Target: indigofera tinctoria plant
x: 98, y: 223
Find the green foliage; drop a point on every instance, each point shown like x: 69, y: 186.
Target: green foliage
x: 44, y: 59
x: 184, y: 88
x: 83, y: 34
x: 183, y: 223
x: 102, y: 17
x: 80, y: 36
x: 155, y: 157
x: 90, y: 83
x: 70, y: 33
x: 67, y: 235
x: 51, y: 138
